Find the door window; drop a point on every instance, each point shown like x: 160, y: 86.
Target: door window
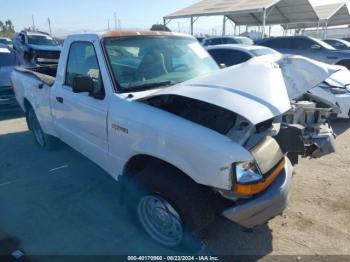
x: 301, y: 43
x: 82, y: 61
x: 277, y: 43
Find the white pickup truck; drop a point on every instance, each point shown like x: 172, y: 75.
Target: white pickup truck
x: 185, y: 140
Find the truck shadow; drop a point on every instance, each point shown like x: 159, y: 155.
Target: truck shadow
x: 62, y: 203
x: 10, y: 114
x: 226, y: 238
x: 10, y: 250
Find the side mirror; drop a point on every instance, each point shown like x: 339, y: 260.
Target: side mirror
x: 316, y: 47
x: 222, y: 66
x: 82, y: 84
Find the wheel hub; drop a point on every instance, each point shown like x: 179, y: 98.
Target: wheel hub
x: 160, y: 220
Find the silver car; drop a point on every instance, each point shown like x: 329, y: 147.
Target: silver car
x: 309, y: 47
x: 223, y: 40
x: 8, y: 61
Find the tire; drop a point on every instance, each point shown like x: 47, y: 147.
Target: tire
x: 41, y: 139
x: 172, y: 209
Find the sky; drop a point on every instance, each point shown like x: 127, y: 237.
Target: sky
x: 92, y: 15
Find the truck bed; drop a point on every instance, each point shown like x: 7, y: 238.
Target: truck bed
x: 45, y: 74
x: 32, y: 87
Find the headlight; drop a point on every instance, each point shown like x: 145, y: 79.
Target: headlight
x: 248, y: 173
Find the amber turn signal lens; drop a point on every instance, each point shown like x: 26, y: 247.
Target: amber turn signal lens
x: 254, y: 189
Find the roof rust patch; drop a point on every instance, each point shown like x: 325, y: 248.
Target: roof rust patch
x: 141, y: 33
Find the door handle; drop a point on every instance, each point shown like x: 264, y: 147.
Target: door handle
x: 332, y: 57
x: 59, y: 99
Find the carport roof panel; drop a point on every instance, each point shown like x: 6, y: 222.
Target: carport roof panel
x: 333, y: 14
x: 249, y: 12
x: 283, y: 12
x: 325, y: 12
x: 222, y: 7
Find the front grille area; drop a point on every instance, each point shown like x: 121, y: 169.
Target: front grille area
x: 6, y: 91
x: 48, y: 54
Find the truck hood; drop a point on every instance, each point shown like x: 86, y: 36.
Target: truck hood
x: 301, y: 74
x: 46, y: 47
x: 255, y: 90
x: 258, y: 90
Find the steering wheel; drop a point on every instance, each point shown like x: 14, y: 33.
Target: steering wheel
x: 184, y: 66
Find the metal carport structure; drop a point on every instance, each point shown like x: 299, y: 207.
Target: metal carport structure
x: 329, y: 15
x: 249, y: 12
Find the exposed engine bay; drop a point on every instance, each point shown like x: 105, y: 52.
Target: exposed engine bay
x: 311, y: 119
x: 302, y: 131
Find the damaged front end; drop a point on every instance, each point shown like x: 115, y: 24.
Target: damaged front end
x: 308, y: 119
x: 307, y: 122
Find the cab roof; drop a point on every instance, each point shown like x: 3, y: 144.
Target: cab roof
x: 141, y: 33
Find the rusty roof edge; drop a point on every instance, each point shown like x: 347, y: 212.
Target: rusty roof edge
x: 141, y: 33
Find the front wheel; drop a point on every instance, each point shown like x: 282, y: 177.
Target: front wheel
x: 43, y: 140
x: 171, y: 208
x: 161, y: 220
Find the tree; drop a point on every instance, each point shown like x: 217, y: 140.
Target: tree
x: 7, y: 29
x: 160, y: 27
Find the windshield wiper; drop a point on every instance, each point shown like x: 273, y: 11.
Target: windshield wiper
x: 148, y: 86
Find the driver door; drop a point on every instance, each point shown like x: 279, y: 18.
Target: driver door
x: 81, y: 118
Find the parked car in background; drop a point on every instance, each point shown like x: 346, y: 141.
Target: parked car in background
x: 339, y: 44
x: 37, y: 48
x: 338, y: 84
x: 222, y: 40
x: 8, y: 61
x: 308, y: 47
x: 6, y: 41
x: 229, y: 55
x: 200, y: 39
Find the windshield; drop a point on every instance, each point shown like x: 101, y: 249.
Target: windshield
x: 7, y: 58
x: 5, y: 41
x: 245, y: 41
x: 323, y: 44
x: 144, y: 62
x: 41, y: 40
x: 346, y: 43
x: 263, y: 51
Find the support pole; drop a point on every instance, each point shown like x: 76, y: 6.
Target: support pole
x: 286, y: 30
x: 49, y: 21
x: 318, y: 29
x: 192, y: 25
x: 224, y: 26
x: 164, y: 21
x: 264, y: 23
x: 326, y: 29
x: 270, y: 28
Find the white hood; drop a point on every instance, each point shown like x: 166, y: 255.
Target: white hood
x: 301, y: 74
x: 259, y: 89
x: 340, y: 79
x: 254, y: 90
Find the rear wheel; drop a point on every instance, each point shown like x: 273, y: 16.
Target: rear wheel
x: 171, y: 208
x: 43, y: 140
